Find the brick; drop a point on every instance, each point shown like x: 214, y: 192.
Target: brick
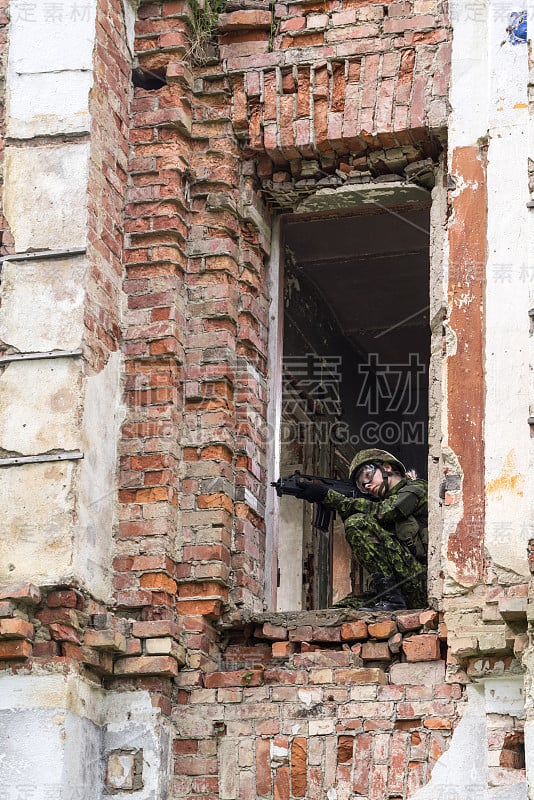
x: 354, y: 631
x: 244, y: 20
x: 105, y: 640
x: 208, y: 608
x: 299, y: 748
x: 283, y: 649
x: 421, y: 648
x: 383, y: 629
x: 263, y: 767
x: 423, y: 673
x: 355, y: 676
x: 408, y: 622
x: 242, y: 677
x: 15, y: 650
x: 7, y: 608
x: 326, y: 635
x: 16, y: 628
x: 397, y: 763
x: 274, y: 631
x: 437, y: 723
x: 281, y: 784
x: 301, y: 634
x: 323, y: 658
x: 45, y: 649
x: 23, y: 592
x: 63, y: 633
x: 146, y: 665
x: 154, y: 628
x: 429, y: 620
x: 362, y: 761
x: 66, y: 598
x: 133, y: 599
x: 376, y: 651
x: 158, y: 580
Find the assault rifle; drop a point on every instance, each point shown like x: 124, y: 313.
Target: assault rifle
x: 321, y: 519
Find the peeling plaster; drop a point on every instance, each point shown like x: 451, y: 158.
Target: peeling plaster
x: 465, y: 378
x: 462, y: 771
x: 78, y: 724
x: 102, y: 418
x: 363, y: 195
x: 130, y: 8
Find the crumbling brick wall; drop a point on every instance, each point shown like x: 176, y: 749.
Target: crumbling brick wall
x: 110, y: 97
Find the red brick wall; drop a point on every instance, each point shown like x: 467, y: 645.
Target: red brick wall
x: 295, y: 711
x: 156, y: 227
x: 338, y: 77
x: 330, y: 80
x: 107, y: 183
x: 195, y: 342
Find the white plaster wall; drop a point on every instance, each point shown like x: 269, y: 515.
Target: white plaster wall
x: 50, y: 68
x: 97, y: 487
x: 47, y: 295
x: 462, y: 771
x: 507, y: 303
x: 130, y: 16
x: 40, y: 406
x: 37, y: 522
x: 59, y: 518
x: 45, y: 196
x: 489, y: 98
x: 289, y: 597
x: 56, y: 732
x: 469, y: 73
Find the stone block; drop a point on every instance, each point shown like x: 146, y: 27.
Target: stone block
x: 36, y: 530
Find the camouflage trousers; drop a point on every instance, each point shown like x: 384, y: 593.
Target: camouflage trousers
x: 379, y: 550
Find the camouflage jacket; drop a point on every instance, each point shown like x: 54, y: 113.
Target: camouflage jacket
x: 404, y: 512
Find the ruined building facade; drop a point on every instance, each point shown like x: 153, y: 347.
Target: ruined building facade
x: 196, y: 202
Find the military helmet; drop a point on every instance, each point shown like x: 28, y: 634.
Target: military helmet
x: 374, y: 456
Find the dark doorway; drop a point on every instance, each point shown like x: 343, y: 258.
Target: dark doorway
x: 356, y: 349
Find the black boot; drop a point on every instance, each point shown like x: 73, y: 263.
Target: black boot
x: 386, y: 594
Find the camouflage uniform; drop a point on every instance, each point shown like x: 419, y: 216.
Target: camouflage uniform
x: 390, y: 536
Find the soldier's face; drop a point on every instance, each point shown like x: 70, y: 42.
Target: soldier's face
x: 376, y: 483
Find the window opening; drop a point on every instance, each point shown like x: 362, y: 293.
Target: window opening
x: 356, y: 349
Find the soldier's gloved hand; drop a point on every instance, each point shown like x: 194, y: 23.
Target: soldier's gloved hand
x: 311, y: 491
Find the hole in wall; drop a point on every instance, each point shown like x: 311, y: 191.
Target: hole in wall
x: 148, y: 79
